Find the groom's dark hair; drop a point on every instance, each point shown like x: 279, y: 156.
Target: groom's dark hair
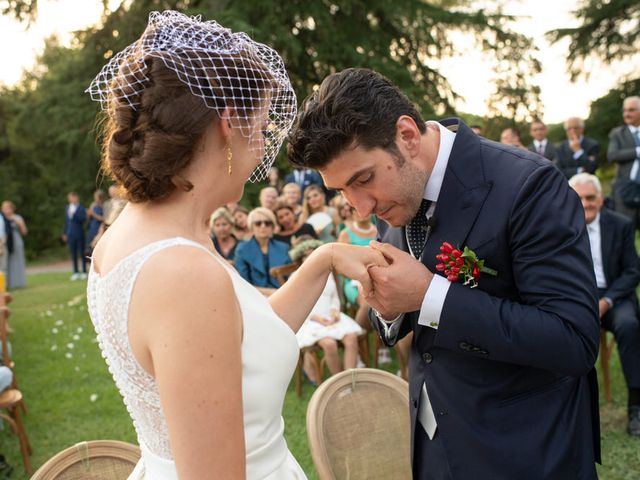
x: 356, y: 107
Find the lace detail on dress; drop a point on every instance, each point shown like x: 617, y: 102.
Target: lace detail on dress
x: 108, y: 300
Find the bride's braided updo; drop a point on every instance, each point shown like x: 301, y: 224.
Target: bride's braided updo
x: 163, y: 91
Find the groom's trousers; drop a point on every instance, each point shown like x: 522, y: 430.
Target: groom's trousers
x: 429, y: 457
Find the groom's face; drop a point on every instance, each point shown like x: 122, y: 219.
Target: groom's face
x: 376, y: 182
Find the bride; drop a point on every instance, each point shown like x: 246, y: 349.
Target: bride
x: 201, y: 358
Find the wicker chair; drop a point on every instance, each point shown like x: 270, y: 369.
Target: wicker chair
x: 94, y: 460
x: 11, y: 400
x: 353, y: 417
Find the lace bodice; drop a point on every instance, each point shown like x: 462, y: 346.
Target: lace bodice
x: 264, y: 383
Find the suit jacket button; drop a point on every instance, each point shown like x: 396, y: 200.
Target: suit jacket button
x: 415, y: 403
x: 464, y: 346
x: 427, y: 357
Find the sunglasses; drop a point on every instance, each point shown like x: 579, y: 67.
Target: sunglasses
x: 260, y: 223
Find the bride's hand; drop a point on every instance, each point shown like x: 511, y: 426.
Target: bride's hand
x: 353, y: 262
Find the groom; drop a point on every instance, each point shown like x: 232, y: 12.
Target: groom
x: 502, y: 384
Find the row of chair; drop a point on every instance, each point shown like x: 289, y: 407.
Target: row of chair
x: 11, y: 400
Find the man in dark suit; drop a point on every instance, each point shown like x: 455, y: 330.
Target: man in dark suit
x: 75, y: 216
x: 540, y: 144
x: 615, y: 262
x: 304, y: 177
x: 577, y: 153
x: 624, y: 150
x: 502, y: 383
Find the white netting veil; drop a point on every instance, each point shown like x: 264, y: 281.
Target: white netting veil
x: 224, y: 68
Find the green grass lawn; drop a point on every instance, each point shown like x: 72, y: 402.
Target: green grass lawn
x: 71, y: 397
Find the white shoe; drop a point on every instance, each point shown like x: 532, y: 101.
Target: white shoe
x: 75, y: 277
x: 83, y: 276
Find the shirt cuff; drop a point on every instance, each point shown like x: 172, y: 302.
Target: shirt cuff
x: 637, y: 152
x: 433, y: 302
x: 578, y: 154
x: 390, y: 327
x: 609, y: 301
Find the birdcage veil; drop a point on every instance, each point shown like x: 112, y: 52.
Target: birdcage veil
x: 224, y: 68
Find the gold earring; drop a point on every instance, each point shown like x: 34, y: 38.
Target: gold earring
x: 229, y: 157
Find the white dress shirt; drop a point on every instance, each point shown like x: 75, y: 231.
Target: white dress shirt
x: 540, y: 145
x: 439, y: 287
x: 595, y: 241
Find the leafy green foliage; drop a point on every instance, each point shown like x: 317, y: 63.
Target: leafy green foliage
x: 609, y: 31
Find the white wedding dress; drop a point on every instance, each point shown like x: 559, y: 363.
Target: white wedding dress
x: 269, y: 356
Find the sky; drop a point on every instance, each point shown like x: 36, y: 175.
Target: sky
x: 469, y: 74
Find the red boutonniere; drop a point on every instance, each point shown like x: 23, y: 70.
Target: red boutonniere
x: 461, y: 265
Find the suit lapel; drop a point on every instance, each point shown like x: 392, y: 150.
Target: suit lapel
x: 464, y: 191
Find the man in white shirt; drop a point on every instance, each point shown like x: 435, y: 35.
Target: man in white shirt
x: 615, y: 264
x: 501, y: 381
x: 540, y: 144
x: 624, y: 150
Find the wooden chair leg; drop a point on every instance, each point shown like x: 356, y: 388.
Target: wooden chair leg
x: 25, y: 447
x: 605, y: 353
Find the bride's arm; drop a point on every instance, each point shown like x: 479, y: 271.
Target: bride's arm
x: 295, y: 299
x: 190, y: 323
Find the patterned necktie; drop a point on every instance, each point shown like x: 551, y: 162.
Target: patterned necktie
x: 417, y: 229
x: 540, y: 149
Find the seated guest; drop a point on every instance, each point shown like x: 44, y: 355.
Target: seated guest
x: 326, y: 325
x: 541, y: 144
x: 344, y: 211
x: 316, y: 212
x: 511, y: 136
x: 577, y: 154
x: 615, y: 263
x: 268, y: 198
x: 241, y: 228
x: 221, y: 228
x: 255, y: 257
x: 292, y: 196
x: 289, y: 227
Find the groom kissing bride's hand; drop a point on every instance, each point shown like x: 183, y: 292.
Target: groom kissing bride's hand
x: 399, y: 287
x: 501, y: 381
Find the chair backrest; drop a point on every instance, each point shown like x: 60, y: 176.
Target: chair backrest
x: 359, y: 428
x: 282, y: 272
x: 93, y: 460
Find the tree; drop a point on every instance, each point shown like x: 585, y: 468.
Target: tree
x: 50, y: 122
x: 609, y: 30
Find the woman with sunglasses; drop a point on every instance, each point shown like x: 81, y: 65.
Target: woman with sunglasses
x: 255, y: 257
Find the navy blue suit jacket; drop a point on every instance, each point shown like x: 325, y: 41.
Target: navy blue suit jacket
x: 588, y: 161
x: 509, y: 371
x: 74, y: 226
x: 310, y: 177
x: 249, y: 262
x: 619, y: 257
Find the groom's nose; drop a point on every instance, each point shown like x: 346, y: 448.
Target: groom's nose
x: 364, y: 203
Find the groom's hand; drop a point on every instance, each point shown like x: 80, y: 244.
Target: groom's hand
x: 399, y: 287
